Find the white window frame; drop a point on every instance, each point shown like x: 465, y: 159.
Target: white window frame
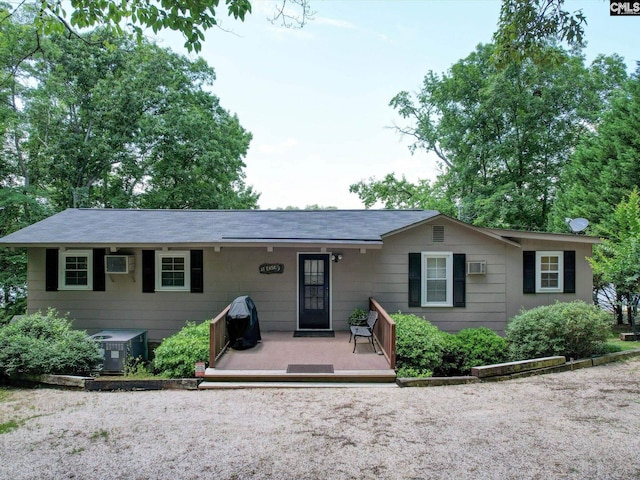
x: 62, y: 269
x: 186, y: 255
x: 539, y: 272
x: 448, y: 256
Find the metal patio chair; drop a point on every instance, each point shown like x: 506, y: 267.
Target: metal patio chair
x: 364, y: 331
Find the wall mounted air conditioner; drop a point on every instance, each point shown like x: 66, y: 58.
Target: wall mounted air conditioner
x: 476, y: 268
x: 119, y: 264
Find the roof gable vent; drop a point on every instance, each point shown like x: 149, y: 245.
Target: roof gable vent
x: 437, y: 233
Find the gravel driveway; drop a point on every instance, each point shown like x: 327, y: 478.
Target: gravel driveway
x: 574, y: 425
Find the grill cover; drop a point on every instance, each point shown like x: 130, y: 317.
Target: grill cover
x: 242, y: 324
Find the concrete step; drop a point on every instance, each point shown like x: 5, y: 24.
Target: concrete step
x: 339, y: 376
x: 242, y: 385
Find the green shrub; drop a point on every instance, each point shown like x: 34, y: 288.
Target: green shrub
x: 453, y: 357
x: 137, y: 368
x: 606, y: 348
x: 480, y: 346
x: 410, y: 372
x: 573, y: 329
x: 46, y: 344
x: 419, y: 346
x: 177, y: 355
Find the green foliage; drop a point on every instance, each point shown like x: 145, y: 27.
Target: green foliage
x: 400, y: 193
x: 503, y: 135
x: 526, y: 26
x: 422, y: 350
x: 177, y: 355
x: 419, y: 346
x: 7, y: 427
x: 473, y: 347
x: 137, y: 368
x: 617, y: 259
x: 574, y: 329
x: 190, y: 17
x: 609, y: 347
x: 604, y: 168
x: 357, y: 317
x: 129, y: 126
x: 46, y: 344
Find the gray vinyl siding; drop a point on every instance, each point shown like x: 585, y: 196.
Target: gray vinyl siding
x: 491, y: 299
x: 485, y: 294
x: 584, y: 276
x: 227, y: 274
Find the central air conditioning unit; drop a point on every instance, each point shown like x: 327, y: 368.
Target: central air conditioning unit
x: 118, y: 347
x: 119, y: 264
x: 476, y: 268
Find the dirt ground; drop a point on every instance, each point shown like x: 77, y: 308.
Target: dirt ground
x: 583, y: 424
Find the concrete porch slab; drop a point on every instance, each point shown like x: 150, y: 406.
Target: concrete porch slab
x: 266, y: 364
x: 278, y: 350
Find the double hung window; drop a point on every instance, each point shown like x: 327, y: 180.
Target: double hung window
x: 437, y: 279
x: 549, y: 269
x: 172, y: 271
x: 76, y: 270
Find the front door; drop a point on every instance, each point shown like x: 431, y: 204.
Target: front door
x: 313, y: 291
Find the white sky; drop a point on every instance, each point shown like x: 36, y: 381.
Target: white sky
x: 316, y: 99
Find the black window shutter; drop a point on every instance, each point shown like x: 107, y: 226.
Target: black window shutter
x: 529, y: 271
x: 148, y: 271
x: 459, y: 279
x: 99, y: 279
x: 415, y: 280
x: 197, y: 271
x: 51, y: 270
x: 569, y: 271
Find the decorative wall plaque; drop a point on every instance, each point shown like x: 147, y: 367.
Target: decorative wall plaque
x: 269, y: 268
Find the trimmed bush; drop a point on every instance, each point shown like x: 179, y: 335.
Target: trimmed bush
x: 46, y: 344
x: 177, y: 355
x: 574, y: 329
x: 419, y: 346
x: 479, y: 346
x: 453, y: 356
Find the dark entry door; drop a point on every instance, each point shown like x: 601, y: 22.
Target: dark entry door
x: 313, y: 291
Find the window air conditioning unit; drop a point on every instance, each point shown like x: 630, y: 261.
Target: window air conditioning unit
x: 119, y: 263
x: 476, y: 268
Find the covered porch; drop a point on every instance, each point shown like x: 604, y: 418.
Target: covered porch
x: 282, y: 357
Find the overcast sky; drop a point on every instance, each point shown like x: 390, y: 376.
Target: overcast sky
x: 316, y: 99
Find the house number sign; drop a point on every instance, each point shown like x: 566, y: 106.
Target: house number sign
x: 269, y: 268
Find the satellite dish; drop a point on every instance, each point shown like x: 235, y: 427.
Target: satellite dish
x: 577, y: 225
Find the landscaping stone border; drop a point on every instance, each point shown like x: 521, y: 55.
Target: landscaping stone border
x: 487, y: 373
x: 91, y: 384
x: 526, y: 368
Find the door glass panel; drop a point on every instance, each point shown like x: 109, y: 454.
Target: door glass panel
x: 313, y: 284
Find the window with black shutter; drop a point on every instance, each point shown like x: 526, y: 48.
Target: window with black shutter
x: 437, y: 279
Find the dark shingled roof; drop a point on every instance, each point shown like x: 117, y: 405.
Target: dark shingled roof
x: 157, y: 227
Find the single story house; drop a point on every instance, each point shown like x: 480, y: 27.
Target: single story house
x: 305, y: 270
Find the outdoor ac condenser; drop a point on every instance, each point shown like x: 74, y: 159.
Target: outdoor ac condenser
x: 120, y: 346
